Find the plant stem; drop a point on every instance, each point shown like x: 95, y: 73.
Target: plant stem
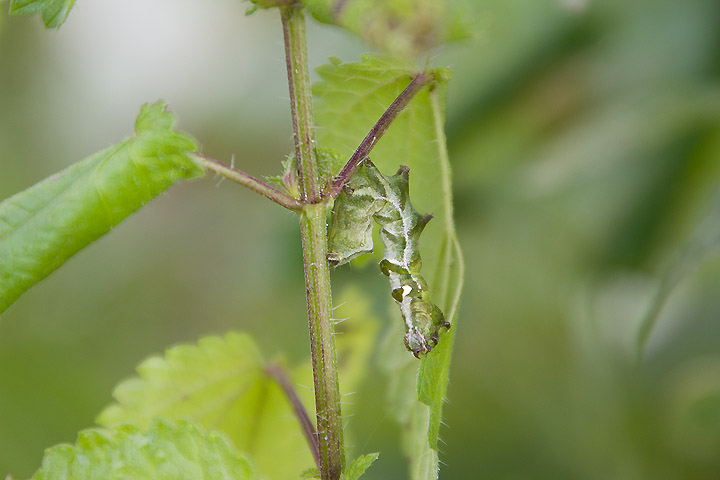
x: 322, y: 340
x: 277, y: 373
x: 313, y: 228
x: 303, y: 122
x: 379, y: 129
x: 250, y: 182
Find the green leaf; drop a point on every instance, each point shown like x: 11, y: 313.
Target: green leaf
x: 54, y: 12
x: 351, y: 99
x: 310, y: 473
x: 703, y: 242
x: 358, y: 466
x: 402, y: 27
x: 222, y: 385
x: 45, y: 225
x: 171, y: 451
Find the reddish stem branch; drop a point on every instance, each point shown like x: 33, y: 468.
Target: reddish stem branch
x: 278, y: 374
x: 418, y: 82
x: 250, y: 182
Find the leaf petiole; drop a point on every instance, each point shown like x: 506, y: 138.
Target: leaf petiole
x: 246, y: 180
x: 278, y: 374
x: 419, y: 81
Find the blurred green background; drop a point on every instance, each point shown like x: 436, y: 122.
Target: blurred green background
x: 585, y: 141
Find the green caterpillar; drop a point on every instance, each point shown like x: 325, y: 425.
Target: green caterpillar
x: 371, y: 195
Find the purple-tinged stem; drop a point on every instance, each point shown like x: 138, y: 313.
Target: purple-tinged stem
x: 301, y: 108
x: 313, y: 230
x: 278, y: 374
x: 418, y: 82
x: 250, y: 182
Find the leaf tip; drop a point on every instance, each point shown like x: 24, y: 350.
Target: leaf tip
x: 358, y: 467
x: 154, y: 116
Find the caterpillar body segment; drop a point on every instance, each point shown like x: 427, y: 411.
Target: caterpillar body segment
x: 371, y: 195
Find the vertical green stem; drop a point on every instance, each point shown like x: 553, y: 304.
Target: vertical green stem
x: 303, y: 122
x: 313, y: 228
x: 322, y: 340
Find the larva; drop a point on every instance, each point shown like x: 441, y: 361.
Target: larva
x: 371, y: 195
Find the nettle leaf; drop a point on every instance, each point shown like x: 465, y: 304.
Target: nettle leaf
x: 45, y: 225
x: 351, y: 98
x: 352, y: 472
x: 167, y: 450
x: 54, y: 12
x: 222, y: 384
x: 310, y: 473
x: 402, y: 27
x: 357, y: 468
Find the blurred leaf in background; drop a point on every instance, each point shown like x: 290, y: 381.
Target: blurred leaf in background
x: 585, y: 144
x: 585, y: 139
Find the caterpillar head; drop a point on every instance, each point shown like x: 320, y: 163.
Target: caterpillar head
x: 426, y: 323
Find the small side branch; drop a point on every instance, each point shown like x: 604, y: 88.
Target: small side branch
x: 278, y: 374
x: 418, y: 82
x: 250, y: 182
